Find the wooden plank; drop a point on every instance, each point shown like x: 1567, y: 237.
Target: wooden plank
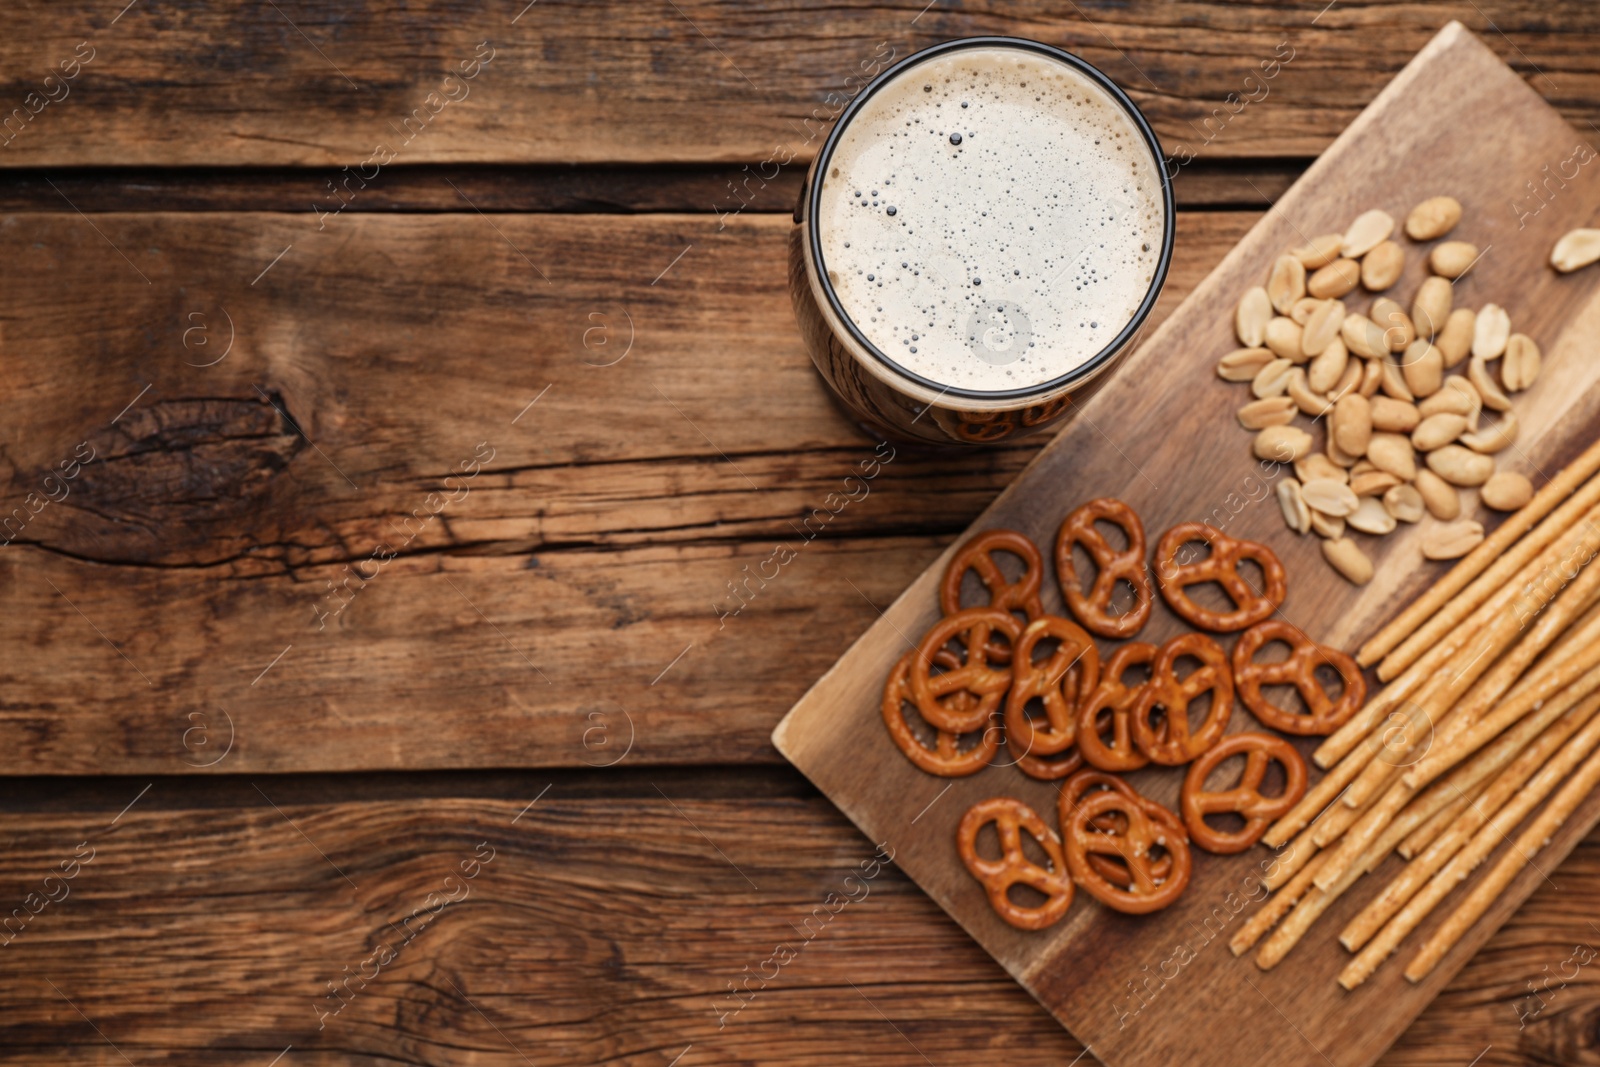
x: 1157, y: 436
x: 188, y: 83
x: 202, y: 539
x: 591, y: 189
x: 604, y: 930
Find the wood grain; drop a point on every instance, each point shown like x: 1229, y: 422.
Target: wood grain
x: 202, y: 539
x: 1171, y: 453
x: 600, y: 189
x: 605, y: 930
x: 190, y: 83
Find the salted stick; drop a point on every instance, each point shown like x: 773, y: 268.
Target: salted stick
x: 1526, y: 553
x: 1460, y: 832
x: 1292, y: 860
x: 1578, y: 748
x: 1558, y: 682
x: 1324, y: 793
x: 1570, y: 681
x: 1276, y: 907
x: 1427, y: 832
x: 1521, y: 853
x: 1479, y: 559
x: 1569, y: 546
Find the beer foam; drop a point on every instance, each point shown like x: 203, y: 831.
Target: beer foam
x: 991, y: 218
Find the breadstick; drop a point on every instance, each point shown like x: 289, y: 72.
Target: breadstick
x: 1473, y: 775
x: 1480, y: 638
x: 1563, y: 683
x: 1276, y: 907
x: 1527, y: 557
x: 1479, y: 559
x: 1462, y: 863
x: 1572, y: 602
x: 1342, y: 740
x: 1293, y: 860
x: 1460, y: 832
x: 1344, y: 858
x: 1322, y: 794
x: 1412, y: 844
x: 1306, y: 912
x: 1521, y: 853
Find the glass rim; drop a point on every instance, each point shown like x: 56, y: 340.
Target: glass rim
x: 1089, y: 367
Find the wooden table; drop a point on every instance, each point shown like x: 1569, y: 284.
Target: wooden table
x: 375, y: 692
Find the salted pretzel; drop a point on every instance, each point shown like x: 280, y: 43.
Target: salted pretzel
x: 1173, y: 740
x: 1244, y: 799
x: 1300, y: 670
x: 1139, y: 834
x: 1093, y: 608
x: 946, y: 758
x: 1109, y: 709
x: 1088, y: 781
x: 978, y: 556
x: 1221, y: 566
x: 1061, y: 683
x: 940, y: 698
x: 1011, y: 818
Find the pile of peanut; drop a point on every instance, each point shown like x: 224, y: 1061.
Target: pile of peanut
x: 1403, y: 435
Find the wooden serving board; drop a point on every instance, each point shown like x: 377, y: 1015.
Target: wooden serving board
x: 1161, y: 435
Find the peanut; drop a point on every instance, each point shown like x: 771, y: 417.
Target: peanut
x: 1452, y: 540
x: 1392, y: 452
x: 1440, y: 497
x: 1433, y: 218
x: 1506, y: 491
x: 1398, y: 331
x: 1328, y: 365
x: 1404, y: 502
x: 1352, y: 425
x: 1320, y: 252
x: 1363, y: 336
x: 1422, y: 366
x: 1316, y: 465
x: 1455, y: 340
x: 1271, y: 380
x: 1478, y: 374
x: 1329, y: 496
x: 1453, y: 258
x: 1576, y: 249
x: 1284, y: 444
x: 1312, y: 403
x: 1458, y: 465
x: 1491, y: 332
x: 1270, y: 411
x: 1433, y: 432
x: 1251, y: 318
x: 1372, y: 482
x: 1430, y: 309
x: 1348, y: 559
x: 1286, y: 284
x: 1365, y: 233
x: 1295, y: 513
x: 1394, y: 416
x: 1283, y: 337
x: 1381, y: 267
x: 1394, y: 382
x: 1521, y: 364
x: 1371, y: 517
x: 1322, y: 327
x: 1334, y: 280
x: 1493, y: 438
x: 1243, y: 364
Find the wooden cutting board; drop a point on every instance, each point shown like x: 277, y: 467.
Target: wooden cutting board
x: 1161, y: 435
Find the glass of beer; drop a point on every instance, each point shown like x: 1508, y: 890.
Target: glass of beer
x: 983, y: 232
